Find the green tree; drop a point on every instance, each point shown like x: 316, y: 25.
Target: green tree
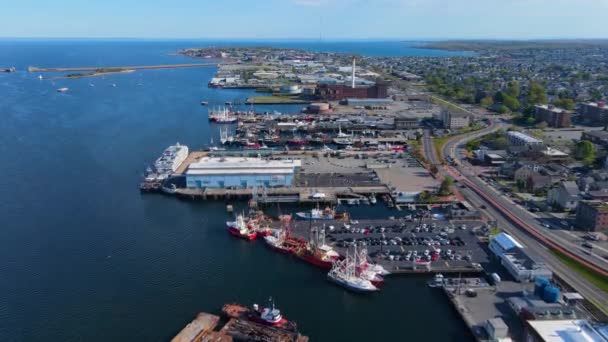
x: 536, y: 93
x: 499, y: 97
x: 487, y: 102
x: 511, y: 102
x: 596, y: 95
x: 500, y: 143
x: 513, y: 89
x: 564, y: 103
x: 503, y: 109
x: 445, y: 187
x: 585, y: 151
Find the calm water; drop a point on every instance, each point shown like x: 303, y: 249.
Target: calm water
x: 85, y: 257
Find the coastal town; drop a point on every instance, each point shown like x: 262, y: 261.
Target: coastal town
x: 481, y: 179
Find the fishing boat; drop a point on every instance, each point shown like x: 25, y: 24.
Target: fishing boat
x: 344, y: 273
x: 222, y: 116
x: 317, y: 214
x: 316, y: 252
x: 343, y: 138
x: 241, y: 229
x: 365, y: 264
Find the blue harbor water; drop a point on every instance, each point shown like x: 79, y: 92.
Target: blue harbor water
x: 85, y: 257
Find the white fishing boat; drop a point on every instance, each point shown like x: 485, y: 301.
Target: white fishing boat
x: 344, y: 273
x: 63, y: 90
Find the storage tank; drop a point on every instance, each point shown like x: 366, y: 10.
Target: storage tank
x: 539, y: 286
x: 551, y: 294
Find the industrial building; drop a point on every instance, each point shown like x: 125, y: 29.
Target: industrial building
x: 520, y: 142
x: 553, y: 116
x: 403, y: 121
x: 240, y: 172
x: 594, y: 112
x: 516, y: 260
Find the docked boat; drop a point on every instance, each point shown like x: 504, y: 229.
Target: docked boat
x: 372, y: 199
x: 364, y: 263
x: 344, y: 274
x: 317, y: 214
x: 241, y: 229
x: 343, y: 138
x: 437, y: 281
x: 222, y: 116
x: 63, y: 90
x: 316, y: 252
x: 269, y: 315
x: 172, y: 157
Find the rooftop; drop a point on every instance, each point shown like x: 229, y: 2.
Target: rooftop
x: 239, y: 165
x: 524, y: 137
x: 551, y: 108
x: 506, y: 241
x: 566, y: 331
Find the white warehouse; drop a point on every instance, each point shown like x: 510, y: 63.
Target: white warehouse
x: 240, y: 172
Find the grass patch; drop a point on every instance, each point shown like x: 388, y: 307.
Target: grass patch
x: 594, y: 277
x: 438, y: 144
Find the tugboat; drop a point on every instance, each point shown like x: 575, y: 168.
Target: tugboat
x: 267, y: 315
x: 241, y: 229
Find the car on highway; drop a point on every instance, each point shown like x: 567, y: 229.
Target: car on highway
x: 587, y: 245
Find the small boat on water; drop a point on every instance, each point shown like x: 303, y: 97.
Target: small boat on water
x: 204, y: 103
x: 372, y: 199
x: 63, y: 90
x: 242, y: 229
x: 437, y: 281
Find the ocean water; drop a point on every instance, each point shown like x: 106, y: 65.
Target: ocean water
x: 85, y: 257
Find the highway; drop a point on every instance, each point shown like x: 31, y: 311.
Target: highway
x: 518, y: 222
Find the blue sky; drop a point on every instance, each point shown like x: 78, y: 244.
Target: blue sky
x: 334, y: 19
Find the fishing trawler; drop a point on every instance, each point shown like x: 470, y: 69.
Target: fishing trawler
x: 242, y: 229
x: 222, y: 116
x: 344, y: 273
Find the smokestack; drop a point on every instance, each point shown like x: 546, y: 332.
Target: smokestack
x: 354, y: 66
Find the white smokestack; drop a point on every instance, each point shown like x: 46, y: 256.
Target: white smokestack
x: 354, y: 66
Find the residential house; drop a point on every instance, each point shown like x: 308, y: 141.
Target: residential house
x: 592, y: 216
x: 564, y: 196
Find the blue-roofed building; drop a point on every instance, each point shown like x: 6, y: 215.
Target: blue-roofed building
x: 514, y: 257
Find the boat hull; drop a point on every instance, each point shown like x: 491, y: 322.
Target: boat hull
x: 316, y: 261
x: 352, y: 287
x: 236, y: 233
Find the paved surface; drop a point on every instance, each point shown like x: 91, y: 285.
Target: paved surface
x: 537, y: 249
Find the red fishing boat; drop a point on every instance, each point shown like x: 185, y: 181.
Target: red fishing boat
x: 241, y: 229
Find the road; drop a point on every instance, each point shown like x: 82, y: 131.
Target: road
x: 521, y: 224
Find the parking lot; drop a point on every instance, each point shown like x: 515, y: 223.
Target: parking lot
x: 398, y: 244
x: 337, y: 180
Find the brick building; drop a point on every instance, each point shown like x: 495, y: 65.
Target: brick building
x: 592, y: 216
x: 553, y: 116
x: 338, y: 92
x: 594, y: 112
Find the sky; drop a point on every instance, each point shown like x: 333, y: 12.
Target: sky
x: 307, y: 19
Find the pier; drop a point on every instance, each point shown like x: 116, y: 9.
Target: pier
x: 134, y: 67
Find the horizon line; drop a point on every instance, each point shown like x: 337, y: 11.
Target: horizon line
x: 325, y: 39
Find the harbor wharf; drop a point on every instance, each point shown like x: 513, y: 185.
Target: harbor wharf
x: 134, y: 67
x: 283, y: 194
